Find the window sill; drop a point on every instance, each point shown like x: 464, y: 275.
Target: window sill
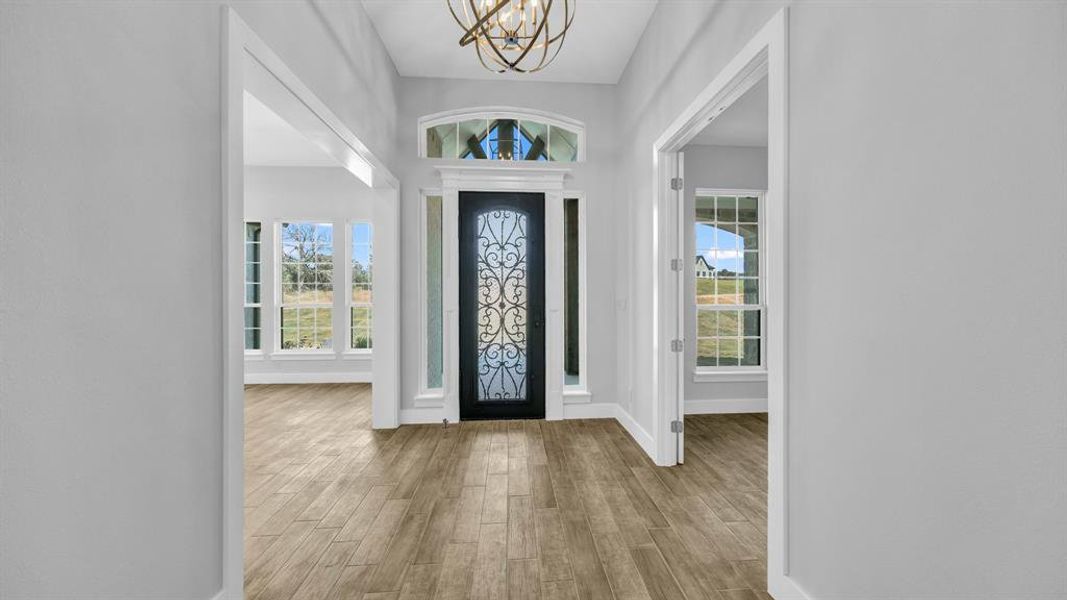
x: 430, y: 399
x: 576, y: 396
x: 303, y: 355
x: 729, y: 375
x: 357, y: 355
x: 254, y: 355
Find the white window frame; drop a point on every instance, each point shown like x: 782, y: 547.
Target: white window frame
x: 578, y: 391
x: 278, y: 351
x: 429, y: 396
x: 739, y: 373
x: 349, y: 303
x: 491, y: 113
x: 249, y: 352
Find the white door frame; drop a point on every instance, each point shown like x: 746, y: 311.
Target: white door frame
x: 500, y: 178
x: 239, y: 43
x: 765, y: 54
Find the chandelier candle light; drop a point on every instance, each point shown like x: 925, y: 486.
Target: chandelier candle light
x: 514, y: 35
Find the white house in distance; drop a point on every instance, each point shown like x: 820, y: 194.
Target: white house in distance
x: 702, y: 270
x: 396, y: 299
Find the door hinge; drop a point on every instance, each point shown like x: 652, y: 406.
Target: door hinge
x: 676, y: 183
x: 677, y: 427
x: 676, y: 264
x: 677, y: 345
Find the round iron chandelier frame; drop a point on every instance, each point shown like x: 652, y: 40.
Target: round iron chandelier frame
x: 522, y: 36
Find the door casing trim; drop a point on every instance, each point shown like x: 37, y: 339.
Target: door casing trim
x: 504, y: 178
x: 766, y: 54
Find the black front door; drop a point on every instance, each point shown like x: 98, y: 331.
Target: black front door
x: 501, y: 305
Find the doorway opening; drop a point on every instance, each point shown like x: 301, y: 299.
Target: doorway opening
x: 729, y: 328
x: 501, y: 305
x: 311, y: 321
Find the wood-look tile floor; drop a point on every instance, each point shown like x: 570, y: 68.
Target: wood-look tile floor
x: 494, y: 509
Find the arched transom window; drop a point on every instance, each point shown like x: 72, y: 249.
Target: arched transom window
x: 501, y: 134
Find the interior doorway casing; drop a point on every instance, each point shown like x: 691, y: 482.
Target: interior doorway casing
x: 321, y: 125
x: 765, y: 55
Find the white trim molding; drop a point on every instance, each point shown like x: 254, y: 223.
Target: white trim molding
x: 710, y: 376
x: 590, y: 410
x: 765, y: 55
x: 425, y: 391
x: 582, y: 387
x: 248, y: 63
x: 509, y: 177
x: 723, y: 407
x: 305, y: 377
x: 643, y: 438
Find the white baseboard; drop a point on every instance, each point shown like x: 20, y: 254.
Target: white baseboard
x: 716, y: 407
x: 585, y: 410
x: 276, y: 378
x: 638, y: 433
x: 783, y: 587
x: 421, y: 416
x: 589, y: 410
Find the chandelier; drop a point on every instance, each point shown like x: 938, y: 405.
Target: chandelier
x: 514, y: 35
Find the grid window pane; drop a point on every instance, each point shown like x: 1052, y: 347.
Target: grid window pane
x: 727, y: 323
x: 750, y: 352
x: 306, y: 285
x: 749, y: 233
x: 728, y: 352
x: 727, y: 291
x: 726, y: 209
x: 361, y: 295
x: 253, y: 279
x: 361, y: 327
x: 727, y: 281
x: 751, y: 291
x: 473, y: 142
x: 563, y: 144
x: 707, y: 323
x: 705, y: 289
x: 707, y: 352
x: 752, y: 323
x: 441, y: 141
x: 533, y: 137
x: 748, y: 209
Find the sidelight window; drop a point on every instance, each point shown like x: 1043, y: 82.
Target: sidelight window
x: 433, y: 300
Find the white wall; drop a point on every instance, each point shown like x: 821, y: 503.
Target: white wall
x: 927, y: 421
x: 326, y: 195
x: 717, y: 167
x: 110, y: 343
x: 591, y: 104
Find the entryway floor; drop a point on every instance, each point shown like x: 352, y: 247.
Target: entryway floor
x: 494, y: 509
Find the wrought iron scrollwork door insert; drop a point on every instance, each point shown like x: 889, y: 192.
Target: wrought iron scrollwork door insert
x: 501, y: 305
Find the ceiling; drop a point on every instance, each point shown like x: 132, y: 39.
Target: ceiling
x: 423, y: 40
x: 743, y: 124
x: 271, y: 141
